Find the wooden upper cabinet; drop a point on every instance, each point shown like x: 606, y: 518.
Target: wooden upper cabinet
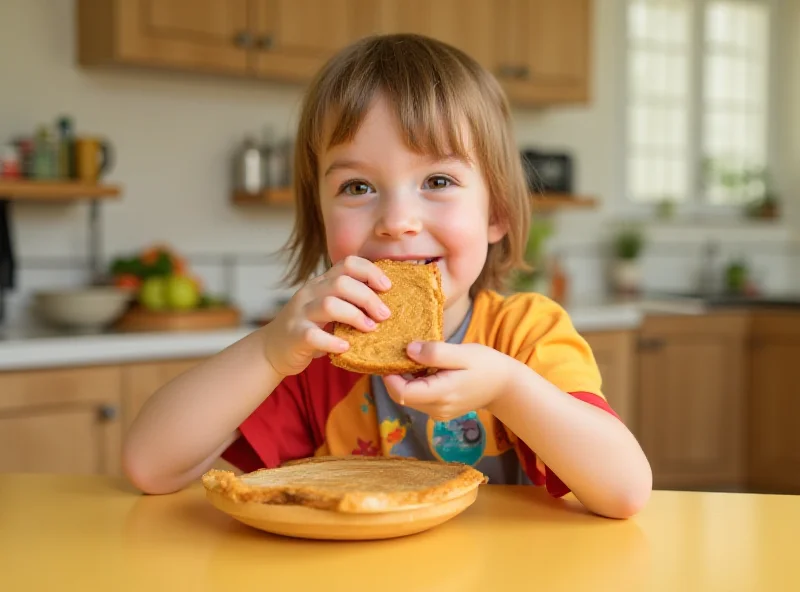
x: 60, y: 421
x: 692, y: 385
x: 461, y: 23
x: 200, y: 35
x: 542, y: 50
x: 538, y: 49
x: 294, y: 38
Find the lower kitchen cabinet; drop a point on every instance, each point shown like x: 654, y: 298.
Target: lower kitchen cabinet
x: 692, y: 383
x: 774, y: 403
x: 61, y: 421
x: 614, y: 352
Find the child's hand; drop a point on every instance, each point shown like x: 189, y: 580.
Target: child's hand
x: 342, y: 294
x: 470, y: 377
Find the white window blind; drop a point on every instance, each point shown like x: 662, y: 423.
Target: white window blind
x: 697, y: 92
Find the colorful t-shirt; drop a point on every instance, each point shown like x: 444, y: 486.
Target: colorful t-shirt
x: 325, y: 410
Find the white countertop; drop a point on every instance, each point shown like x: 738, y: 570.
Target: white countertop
x: 38, y: 347
x: 35, y: 348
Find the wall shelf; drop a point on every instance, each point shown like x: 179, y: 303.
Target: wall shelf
x: 553, y: 202
x: 281, y: 196
x: 541, y: 203
x: 25, y: 189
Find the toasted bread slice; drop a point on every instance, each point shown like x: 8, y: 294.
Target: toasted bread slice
x: 351, y: 484
x: 417, y: 305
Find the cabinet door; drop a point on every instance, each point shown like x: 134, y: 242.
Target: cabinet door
x: 209, y: 35
x: 774, y: 407
x: 461, y: 23
x: 614, y: 352
x: 543, y: 50
x: 296, y: 37
x: 140, y: 381
x: 60, y: 421
x: 692, y: 375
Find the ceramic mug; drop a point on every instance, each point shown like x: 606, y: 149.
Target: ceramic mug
x: 93, y: 158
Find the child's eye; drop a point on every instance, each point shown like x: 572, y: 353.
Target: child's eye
x: 355, y: 188
x: 438, y: 182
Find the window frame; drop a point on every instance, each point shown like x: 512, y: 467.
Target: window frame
x: 696, y: 205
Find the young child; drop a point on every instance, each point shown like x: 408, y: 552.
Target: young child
x: 405, y: 151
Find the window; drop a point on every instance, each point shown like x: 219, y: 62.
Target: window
x: 697, y: 100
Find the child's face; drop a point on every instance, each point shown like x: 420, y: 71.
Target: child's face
x: 381, y: 200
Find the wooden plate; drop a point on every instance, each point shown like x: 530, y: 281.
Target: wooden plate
x: 311, y: 523
x: 346, y: 498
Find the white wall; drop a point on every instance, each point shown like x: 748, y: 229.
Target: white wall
x: 174, y: 135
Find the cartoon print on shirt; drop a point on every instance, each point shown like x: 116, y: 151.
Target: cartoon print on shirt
x: 370, y: 401
x: 393, y: 431
x: 366, y: 448
x: 462, y: 439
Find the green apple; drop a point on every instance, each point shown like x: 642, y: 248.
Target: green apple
x: 152, y: 293
x: 181, y: 292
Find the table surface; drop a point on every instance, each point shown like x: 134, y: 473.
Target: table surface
x: 98, y: 533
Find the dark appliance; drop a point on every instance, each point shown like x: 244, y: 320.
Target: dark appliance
x: 548, y: 172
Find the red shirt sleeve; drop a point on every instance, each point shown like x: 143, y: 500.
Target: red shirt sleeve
x: 290, y: 423
x: 549, y: 479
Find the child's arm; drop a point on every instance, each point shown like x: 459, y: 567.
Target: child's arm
x: 184, y: 427
x: 589, y: 449
x: 189, y: 422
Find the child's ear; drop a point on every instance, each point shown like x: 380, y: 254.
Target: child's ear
x: 497, y: 231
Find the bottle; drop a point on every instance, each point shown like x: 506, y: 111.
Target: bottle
x: 275, y: 160
x: 10, y: 165
x: 249, y: 167
x: 66, y: 149
x: 707, y: 279
x: 559, y: 281
x: 44, y: 156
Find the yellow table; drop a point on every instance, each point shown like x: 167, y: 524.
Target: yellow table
x: 95, y: 533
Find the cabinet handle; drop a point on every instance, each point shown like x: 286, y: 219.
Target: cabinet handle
x: 243, y: 39
x: 507, y: 71
x: 523, y: 72
x: 265, y: 42
x: 652, y: 344
x: 107, y: 412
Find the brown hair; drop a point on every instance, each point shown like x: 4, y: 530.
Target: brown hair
x: 433, y: 89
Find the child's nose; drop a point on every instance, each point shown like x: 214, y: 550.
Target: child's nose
x: 398, y: 218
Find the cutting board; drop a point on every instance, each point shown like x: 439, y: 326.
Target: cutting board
x: 203, y: 319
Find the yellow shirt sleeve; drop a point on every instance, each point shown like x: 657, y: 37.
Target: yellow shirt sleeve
x: 538, y: 332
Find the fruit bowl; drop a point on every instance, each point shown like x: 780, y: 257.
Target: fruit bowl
x: 87, y: 308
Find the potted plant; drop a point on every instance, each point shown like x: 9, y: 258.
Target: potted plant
x: 625, y: 272
x: 532, y: 280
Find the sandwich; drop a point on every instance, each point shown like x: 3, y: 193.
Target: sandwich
x: 416, y: 303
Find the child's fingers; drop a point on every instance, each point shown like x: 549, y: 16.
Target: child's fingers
x: 351, y: 290
x: 332, y: 308
x: 435, y: 389
x: 363, y: 270
x: 439, y: 354
x: 319, y: 340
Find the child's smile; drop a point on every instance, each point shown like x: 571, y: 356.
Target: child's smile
x: 382, y: 200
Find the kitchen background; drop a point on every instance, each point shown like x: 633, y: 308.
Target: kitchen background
x: 642, y: 95
x: 174, y: 135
